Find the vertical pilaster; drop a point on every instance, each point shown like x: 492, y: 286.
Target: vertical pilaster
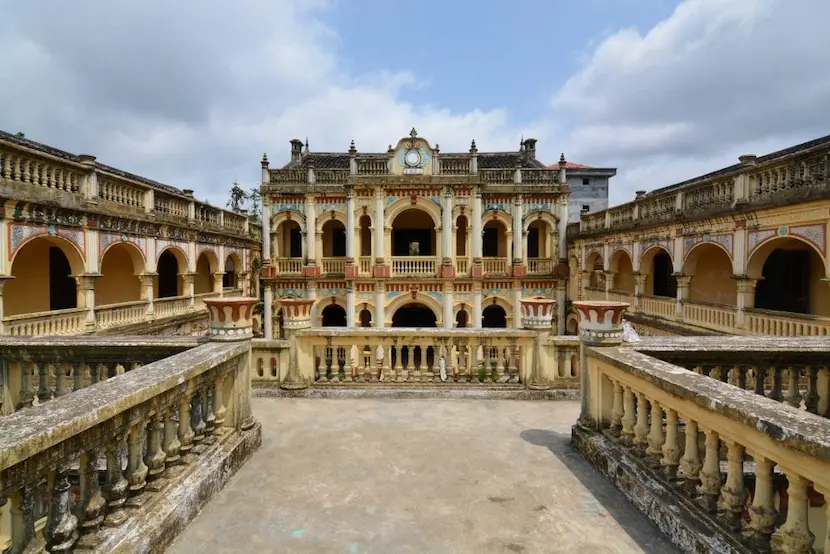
x: 477, y: 214
x: 478, y: 297
x: 268, y: 317
x: 517, y: 305
x: 683, y: 287
x: 446, y: 226
x: 310, y: 230
x: 380, y: 224
x: 380, y: 301
x: 518, y: 230
x: 449, y: 320
x: 350, y: 305
x: 266, y: 230
x: 350, y: 225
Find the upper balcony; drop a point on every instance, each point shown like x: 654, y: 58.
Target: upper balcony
x: 796, y: 174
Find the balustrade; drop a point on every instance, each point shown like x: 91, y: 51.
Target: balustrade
x: 462, y: 265
x: 711, y: 316
x: 454, y: 165
x: 147, y: 417
x: 121, y: 192
x: 372, y: 166
x: 497, y: 176
x: 365, y: 265
x: 753, y: 470
x: 413, y: 265
x: 495, y: 265
x: 334, y: 265
x: 288, y: 265
x: 539, y: 266
x: 659, y: 306
x: 172, y: 306
x: 55, y: 322
x: 172, y: 206
x: 40, y: 171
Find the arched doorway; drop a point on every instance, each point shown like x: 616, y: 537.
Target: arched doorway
x: 413, y: 234
x: 461, y: 236
x: 333, y: 316
x: 120, y: 269
x: 229, y: 279
x: 494, y: 240
x: 623, y: 270
x: 203, y: 280
x: 711, y: 274
x: 365, y: 318
x: 493, y: 317
x: 539, y: 240
x: 168, y: 282
x: 661, y: 281
x: 461, y: 318
x: 334, y: 239
x: 365, y: 236
x: 414, y: 314
x: 790, y: 274
x: 289, y: 240
x: 43, y: 272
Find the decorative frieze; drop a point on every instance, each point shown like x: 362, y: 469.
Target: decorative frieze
x: 105, y: 240
x: 813, y: 234
x: 20, y: 233
x: 726, y: 241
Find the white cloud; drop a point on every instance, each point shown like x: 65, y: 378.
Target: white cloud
x: 716, y: 79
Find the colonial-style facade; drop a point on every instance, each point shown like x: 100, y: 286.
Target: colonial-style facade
x: 741, y: 250
x: 88, y: 248
x: 414, y: 236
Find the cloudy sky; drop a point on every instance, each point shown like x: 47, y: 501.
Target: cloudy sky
x: 192, y: 93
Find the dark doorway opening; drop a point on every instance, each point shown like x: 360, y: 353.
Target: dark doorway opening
x: 295, y: 243
x: 490, y: 242
x: 412, y: 242
x: 334, y: 316
x: 62, y: 291
x: 461, y: 319
x: 533, y: 242
x: 785, y: 283
x: 414, y: 315
x: 665, y: 283
x: 168, y: 272
x: 365, y: 318
x: 493, y: 317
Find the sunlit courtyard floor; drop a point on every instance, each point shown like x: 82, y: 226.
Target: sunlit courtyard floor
x: 434, y: 476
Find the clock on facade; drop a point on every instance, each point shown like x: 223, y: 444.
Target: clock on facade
x: 413, y: 158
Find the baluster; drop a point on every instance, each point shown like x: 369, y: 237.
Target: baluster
x: 655, y: 436
x: 44, y: 391
x: 423, y: 370
x: 762, y: 513
x: 740, y: 376
x: 22, y: 512
x: 322, y: 370
x: 500, y: 376
x: 386, y: 371
x: 27, y: 395
x: 61, y: 529
x: 78, y: 372
x: 186, y: 433
x: 793, y: 388
x: 629, y: 417
x: 733, y: 495
x: 331, y: 370
x: 154, y: 459
x: 760, y: 379
x: 207, y: 411
x: 399, y: 375
x: 115, y: 486
x: 367, y: 357
x: 219, y: 409
x: 512, y: 369
x: 136, y: 470
x: 775, y: 393
x: 171, y: 445
x: 196, y: 422
x: 811, y: 399
x: 710, y: 473
x: 690, y: 465
x: 617, y: 410
x: 410, y: 364
x: 641, y: 429
x: 91, y: 510
x: 796, y: 537
x: 60, y: 379
x: 671, y: 447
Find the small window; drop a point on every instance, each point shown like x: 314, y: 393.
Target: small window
x: 586, y: 208
x: 586, y: 181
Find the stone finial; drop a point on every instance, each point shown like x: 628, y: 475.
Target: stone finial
x: 264, y: 160
x: 473, y: 148
x: 747, y: 159
x: 600, y: 322
x: 640, y: 194
x: 562, y: 160
x: 352, y: 149
x: 437, y: 148
x: 538, y: 313
x: 306, y: 150
x: 413, y: 133
x: 390, y: 149
x: 296, y: 312
x: 231, y: 318
x: 86, y: 159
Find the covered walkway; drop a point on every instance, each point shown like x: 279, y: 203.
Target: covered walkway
x: 437, y: 476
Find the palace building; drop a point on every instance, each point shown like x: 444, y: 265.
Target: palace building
x: 414, y: 237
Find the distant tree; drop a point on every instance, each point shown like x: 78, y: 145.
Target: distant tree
x: 237, y: 198
x: 254, y: 202
x: 21, y: 135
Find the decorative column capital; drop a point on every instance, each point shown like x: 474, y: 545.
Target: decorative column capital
x: 600, y: 322
x: 538, y: 313
x: 231, y: 318
x: 296, y: 312
x: 87, y: 280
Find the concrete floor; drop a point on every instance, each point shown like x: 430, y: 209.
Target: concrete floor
x: 406, y: 476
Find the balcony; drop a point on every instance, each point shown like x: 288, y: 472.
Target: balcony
x: 413, y: 266
x: 365, y: 266
x: 462, y: 265
x: 289, y: 266
x: 540, y: 266
x: 495, y: 266
x: 334, y: 266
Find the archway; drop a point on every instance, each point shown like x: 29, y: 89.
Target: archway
x: 205, y: 268
x: 594, y: 267
x: 168, y: 266
x: 120, y: 269
x: 461, y: 236
x: 462, y: 318
x: 43, y: 270
x: 334, y: 239
x: 334, y: 316
x: 365, y: 236
x: 790, y: 273
x: 623, y: 270
x: 414, y: 314
x: 289, y: 240
x: 712, y: 278
x: 494, y: 317
x: 539, y: 240
x: 365, y: 318
x: 413, y: 234
x: 494, y: 239
x: 657, y: 264
x: 230, y: 279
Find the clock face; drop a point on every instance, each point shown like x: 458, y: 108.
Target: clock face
x: 413, y: 157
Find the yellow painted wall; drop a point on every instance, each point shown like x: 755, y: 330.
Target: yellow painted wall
x: 819, y: 290
x: 119, y: 282
x: 712, y: 281
x: 203, y: 281
x: 624, y: 278
x: 28, y: 292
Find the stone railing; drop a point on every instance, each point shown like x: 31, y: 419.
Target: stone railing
x: 711, y: 316
x: 462, y: 265
x: 269, y: 361
x: 539, y: 266
x: 494, y: 265
x: 169, y: 307
x: 288, y: 265
x: 334, y: 265
x: 717, y: 467
x: 183, y: 424
x: 117, y: 315
x: 454, y: 165
x: 659, y: 306
x: 43, y: 368
x: 770, y: 322
x: 413, y: 265
x: 365, y: 265
x: 372, y: 166
x: 498, y: 176
x: 55, y: 322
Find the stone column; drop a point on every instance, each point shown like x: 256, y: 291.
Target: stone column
x: 268, y: 312
x: 310, y: 231
x: 86, y: 283
x: 600, y: 325
x: 517, y: 305
x: 746, y: 298
x: 266, y: 230
x: 350, y: 305
x: 609, y: 282
x: 683, y: 286
x: 561, y: 299
x: 188, y: 288
x: 350, y: 225
x: 380, y: 223
x: 218, y: 287
x: 231, y: 319
x: 537, y: 315
x: 478, y: 298
x: 380, y: 304
x: 518, y: 230
x: 449, y: 320
x: 147, y: 292
x: 446, y: 232
x: 639, y: 290
x: 296, y: 313
x: 477, y: 214
x: 3, y: 279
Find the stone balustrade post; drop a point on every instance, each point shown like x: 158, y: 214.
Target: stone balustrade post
x: 148, y: 292
x: 600, y: 325
x: 538, y: 315
x: 3, y: 279
x: 218, y: 279
x: 684, y: 283
x: 188, y: 281
x: 86, y: 284
x: 232, y: 319
x: 639, y: 290
x: 745, y: 299
x: 296, y: 314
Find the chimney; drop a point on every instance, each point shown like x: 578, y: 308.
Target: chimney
x: 747, y: 159
x: 640, y: 194
x: 530, y: 148
x: 296, y: 150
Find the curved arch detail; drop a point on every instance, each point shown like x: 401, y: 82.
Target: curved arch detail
x: 500, y: 301
x: 420, y: 298
x: 500, y: 216
x: 278, y: 218
x: 212, y: 256
x: 139, y: 263
x: 331, y: 215
x: 614, y: 259
x: 699, y: 244
x: 178, y: 252
x: 76, y: 258
x: 423, y: 204
x: 652, y: 248
x: 540, y: 215
x: 754, y: 268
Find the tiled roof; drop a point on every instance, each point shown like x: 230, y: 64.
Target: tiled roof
x: 569, y: 165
